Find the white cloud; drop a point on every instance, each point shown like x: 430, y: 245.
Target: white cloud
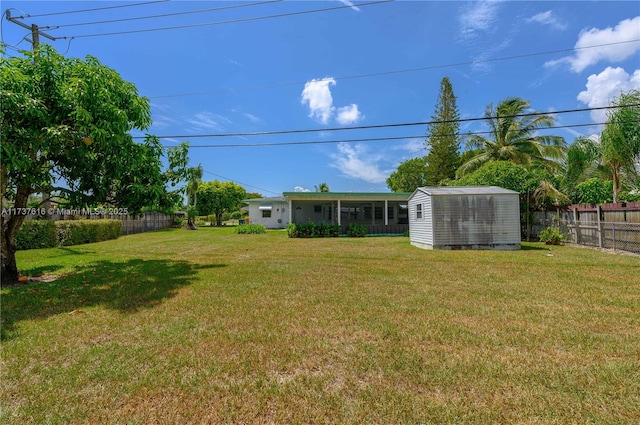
x: 602, y: 88
x: 548, y: 18
x: 208, y: 121
x: 317, y: 95
x: 478, y: 17
x: 300, y: 189
x: 348, y: 115
x: 349, y: 3
x: 356, y: 162
x: 254, y: 119
x: 628, y: 29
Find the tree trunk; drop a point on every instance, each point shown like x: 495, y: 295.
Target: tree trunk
x: 218, y: 219
x: 10, y: 225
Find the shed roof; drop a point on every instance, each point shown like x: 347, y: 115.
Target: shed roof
x: 464, y: 190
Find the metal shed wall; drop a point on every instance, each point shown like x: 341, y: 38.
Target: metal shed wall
x: 462, y: 219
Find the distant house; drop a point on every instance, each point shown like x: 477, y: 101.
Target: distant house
x: 272, y: 212
x: 475, y: 217
x: 382, y: 213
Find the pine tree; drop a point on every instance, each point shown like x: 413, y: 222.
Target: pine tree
x: 443, y: 137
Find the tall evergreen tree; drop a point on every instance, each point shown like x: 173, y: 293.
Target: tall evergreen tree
x: 443, y: 137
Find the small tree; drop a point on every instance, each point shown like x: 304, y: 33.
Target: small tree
x: 219, y: 197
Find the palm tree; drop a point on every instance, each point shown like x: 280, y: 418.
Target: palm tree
x: 322, y: 187
x: 514, y: 137
x: 620, y: 141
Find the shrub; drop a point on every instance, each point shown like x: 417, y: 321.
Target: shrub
x: 245, y: 229
x: 78, y: 232
x: 552, y: 236
x: 35, y: 234
x: 356, y: 230
x: 179, y: 221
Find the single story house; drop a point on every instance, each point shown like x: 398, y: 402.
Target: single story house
x: 272, y: 212
x: 473, y: 217
x: 382, y: 213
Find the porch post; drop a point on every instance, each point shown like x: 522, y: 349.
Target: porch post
x: 290, y: 211
x: 339, y: 214
x: 386, y: 212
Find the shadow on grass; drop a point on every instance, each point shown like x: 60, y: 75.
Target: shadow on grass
x: 124, y: 286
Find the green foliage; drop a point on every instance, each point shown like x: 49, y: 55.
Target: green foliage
x: 312, y: 230
x: 322, y: 187
x: 356, y: 230
x: 552, y: 236
x: 620, y: 141
x: 77, y: 232
x: 179, y: 221
x: 219, y: 197
x: 410, y: 175
x: 504, y: 174
x: 595, y: 191
x: 35, y: 234
x: 629, y: 197
x: 245, y: 229
x: 514, y: 137
x: 443, y: 137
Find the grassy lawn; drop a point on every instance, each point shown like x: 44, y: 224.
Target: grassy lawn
x: 207, y: 326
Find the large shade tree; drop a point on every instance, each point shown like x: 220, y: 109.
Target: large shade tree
x: 514, y: 136
x: 410, y: 175
x: 65, y: 126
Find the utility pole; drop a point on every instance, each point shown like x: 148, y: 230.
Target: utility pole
x: 35, y: 31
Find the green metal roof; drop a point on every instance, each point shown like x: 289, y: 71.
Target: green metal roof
x: 334, y: 196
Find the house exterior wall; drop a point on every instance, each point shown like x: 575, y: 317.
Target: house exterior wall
x: 279, y: 215
x: 465, y: 221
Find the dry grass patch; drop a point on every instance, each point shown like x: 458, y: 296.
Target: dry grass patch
x: 214, y: 327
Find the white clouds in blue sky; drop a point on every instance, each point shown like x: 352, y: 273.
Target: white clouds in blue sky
x: 625, y: 30
x: 604, y: 87
x: 548, y: 18
x: 357, y: 161
x: 317, y: 96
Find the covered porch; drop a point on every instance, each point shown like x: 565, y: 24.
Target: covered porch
x: 382, y: 213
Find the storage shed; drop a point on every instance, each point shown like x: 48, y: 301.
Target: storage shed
x: 472, y: 217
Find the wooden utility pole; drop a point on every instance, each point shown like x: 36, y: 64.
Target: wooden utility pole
x: 35, y: 31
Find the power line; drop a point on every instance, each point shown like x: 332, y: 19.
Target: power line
x: 368, y: 139
x: 89, y: 10
x: 240, y: 183
x: 211, y: 9
x: 399, y: 71
x: 255, y: 18
x: 393, y: 125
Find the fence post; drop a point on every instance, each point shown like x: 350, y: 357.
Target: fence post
x: 576, y: 218
x: 613, y: 224
x: 600, y: 230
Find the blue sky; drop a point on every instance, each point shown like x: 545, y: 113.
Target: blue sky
x: 360, y: 65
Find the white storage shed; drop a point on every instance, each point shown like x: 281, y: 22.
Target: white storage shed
x: 472, y: 217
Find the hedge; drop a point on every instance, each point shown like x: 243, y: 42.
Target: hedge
x: 35, y: 234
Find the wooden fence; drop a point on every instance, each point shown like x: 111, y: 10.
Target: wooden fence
x: 612, y: 226
x: 145, y: 222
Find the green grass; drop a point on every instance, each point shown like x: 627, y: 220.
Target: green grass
x: 209, y: 326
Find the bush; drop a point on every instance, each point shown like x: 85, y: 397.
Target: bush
x: 35, y: 234
x: 179, y: 221
x: 245, y: 229
x: 312, y: 230
x: 78, y: 232
x: 356, y: 230
x: 552, y: 236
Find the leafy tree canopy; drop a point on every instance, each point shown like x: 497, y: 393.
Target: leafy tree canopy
x: 65, y: 127
x: 219, y: 197
x: 410, y: 175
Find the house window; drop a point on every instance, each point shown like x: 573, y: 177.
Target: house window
x: 418, y: 211
x: 390, y: 210
x: 266, y: 213
x: 378, y: 213
x: 367, y: 213
x: 317, y: 208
